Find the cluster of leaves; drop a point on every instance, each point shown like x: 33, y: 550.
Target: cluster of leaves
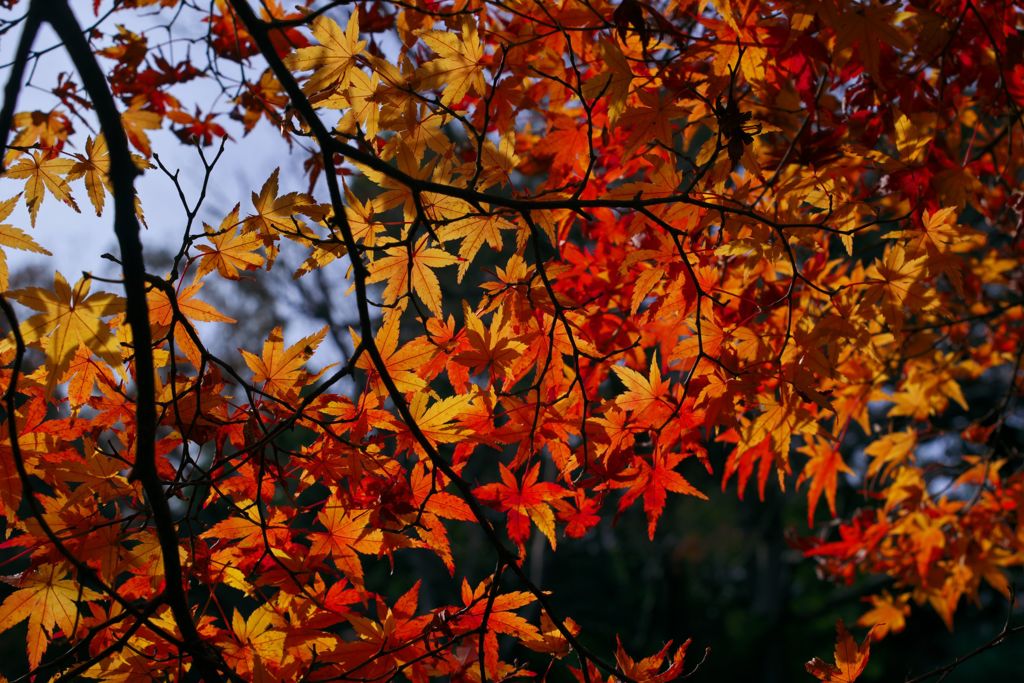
x: 769, y: 227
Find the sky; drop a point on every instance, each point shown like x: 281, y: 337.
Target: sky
x: 78, y: 240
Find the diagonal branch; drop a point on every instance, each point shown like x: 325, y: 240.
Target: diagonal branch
x: 13, y: 87
x: 328, y: 145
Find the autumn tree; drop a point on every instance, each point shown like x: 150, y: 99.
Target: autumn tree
x: 597, y: 253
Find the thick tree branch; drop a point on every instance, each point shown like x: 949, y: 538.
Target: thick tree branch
x: 126, y: 226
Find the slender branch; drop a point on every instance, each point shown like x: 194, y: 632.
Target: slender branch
x: 21, y: 56
x: 943, y: 671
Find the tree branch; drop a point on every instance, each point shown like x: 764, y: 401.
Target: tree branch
x: 126, y: 227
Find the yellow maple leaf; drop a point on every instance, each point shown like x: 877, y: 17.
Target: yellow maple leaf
x: 42, y: 174
x: 331, y: 60
x: 276, y: 215
x: 69, y: 317
x: 412, y: 270
x: 361, y: 222
x: 474, y: 231
x: 898, y: 282
x: 261, y: 636
x: 14, y: 238
x: 231, y: 251
x: 47, y: 601
x: 136, y: 122
x: 459, y: 66
x: 435, y: 420
x: 913, y: 134
x: 360, y: 100
x: 45, y: 129
x: 891, y: 451
x: 94, y: 167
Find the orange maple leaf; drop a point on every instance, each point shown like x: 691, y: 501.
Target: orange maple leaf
x: 347, y: 534
x: 412, y: 270
x: 850, y: 659
x: 231, y: 251
x: 823, y: 472
x: 645, y: 397
x: 280, y: 369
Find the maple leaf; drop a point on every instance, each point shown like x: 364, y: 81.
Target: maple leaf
x: 402, y: 362
x: 161, y: 311
x: 136, y: 121
x: 260, y: 636
x: 653, y: 481
x: 502, y: 611
x: 161, y: 315
x: 43, y: 174
x: 891, y: 451
x: 850, y: 659
x: 346, y: 536
x: 823, y: 471
x: 94, y: 167
x: 650, y: 122
x: 83, y: 374
x: 435, y: 420
x: 362, y: 104
x: 412, y: 270
x: 524, y: 502
x: 69, y: 317
x: 913, y: 135
x: 614, y: 82
x: 278, y: 214
x: 279, y: 369
x: 645, y: 397
x: 47, y: 129
x: 48, y: 601
x: 333, y: 58
x: 490, y: 347
x: 652, y: 669
x: 475, y: 231
x: 900, y: 285
x: 362, y: 223
x: 231, y: 251
x: 11, y: 236
x: 887, y: 615
x: 865, y: 27
x: 459, y: 66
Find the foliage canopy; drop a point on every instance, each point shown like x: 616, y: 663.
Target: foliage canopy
x: 592, y: 250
